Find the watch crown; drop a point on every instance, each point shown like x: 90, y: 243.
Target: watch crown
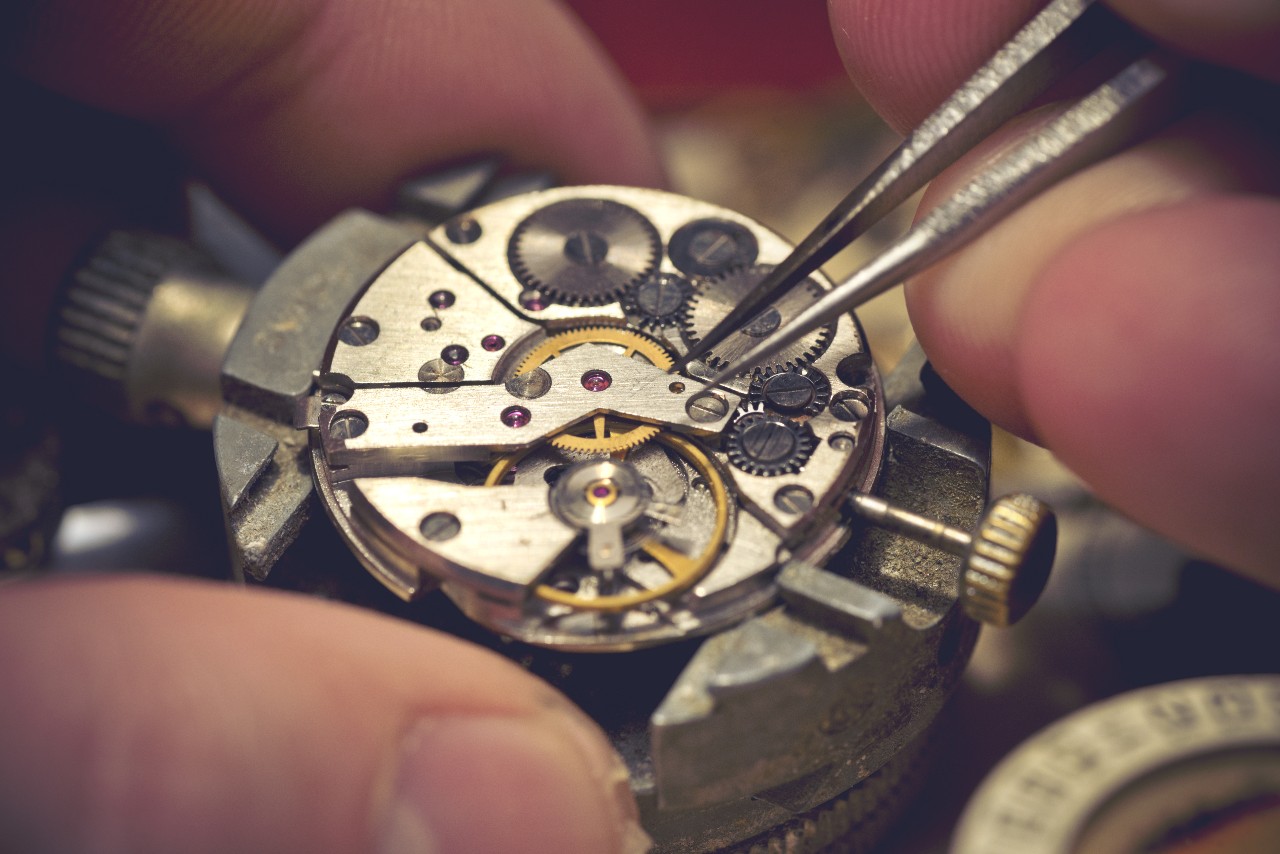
x: 1009, y: 559
x: 143, y: 325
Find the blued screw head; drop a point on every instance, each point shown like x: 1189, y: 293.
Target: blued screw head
x: 850, y: 406
x: 660, y: 295
x: 768, y: 441
x: 788, y: 391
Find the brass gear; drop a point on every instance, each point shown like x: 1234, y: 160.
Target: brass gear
x: 632, y: 342
x: 601, y: 434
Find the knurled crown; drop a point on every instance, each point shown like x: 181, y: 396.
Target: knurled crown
x: 142, y: 326
x: 1008, y: 562
x: 104, y: 303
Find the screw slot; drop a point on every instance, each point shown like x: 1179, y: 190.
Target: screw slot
x: 707, y: 407
x: 439, y: 527
x: 348, y: 424
x: 793, y: 499
x: 358, y: 331
x: 850, y: 405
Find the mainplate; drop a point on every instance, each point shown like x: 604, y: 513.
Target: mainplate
x: 624, y: 505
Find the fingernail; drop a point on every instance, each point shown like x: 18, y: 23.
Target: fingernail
x: 531, y: 783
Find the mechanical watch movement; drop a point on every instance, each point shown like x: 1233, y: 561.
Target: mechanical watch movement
x: 764, y: 591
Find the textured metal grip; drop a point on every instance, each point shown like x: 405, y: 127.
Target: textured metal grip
x: 143, y: 326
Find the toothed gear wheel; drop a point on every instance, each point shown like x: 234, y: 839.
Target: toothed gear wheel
x: 631, y: 344
x: 583, y: 251
x: 713, y: 299
x: 766, y: 445
x: 658, y: 301
x: 799, y: 391
x: 600, y: 434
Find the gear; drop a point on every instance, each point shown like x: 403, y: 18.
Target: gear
x: 799, y: 391
x: 583, y: 251
x: 657, y: 301
x: 766, y: 445
x: 601, y: 434
x: 713, y: 299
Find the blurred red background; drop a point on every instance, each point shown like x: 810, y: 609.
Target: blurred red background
x: 677, y: 52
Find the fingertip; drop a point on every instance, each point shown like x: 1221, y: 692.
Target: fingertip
x: 149, y: 714
x: 296, y: 109
x: 479, y: 783
x: 967, y: 310
x: 1147, y: 357
x: 907, y: 55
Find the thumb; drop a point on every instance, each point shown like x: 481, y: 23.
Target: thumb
x: 163, y: 715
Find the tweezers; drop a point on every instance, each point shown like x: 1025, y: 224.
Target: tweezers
x: 1063, y: 38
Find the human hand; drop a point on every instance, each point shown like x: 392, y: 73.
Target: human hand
x: 1127, y: 319
x: 164, y: 715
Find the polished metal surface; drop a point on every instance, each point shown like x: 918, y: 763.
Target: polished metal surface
x: 568, y: 388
